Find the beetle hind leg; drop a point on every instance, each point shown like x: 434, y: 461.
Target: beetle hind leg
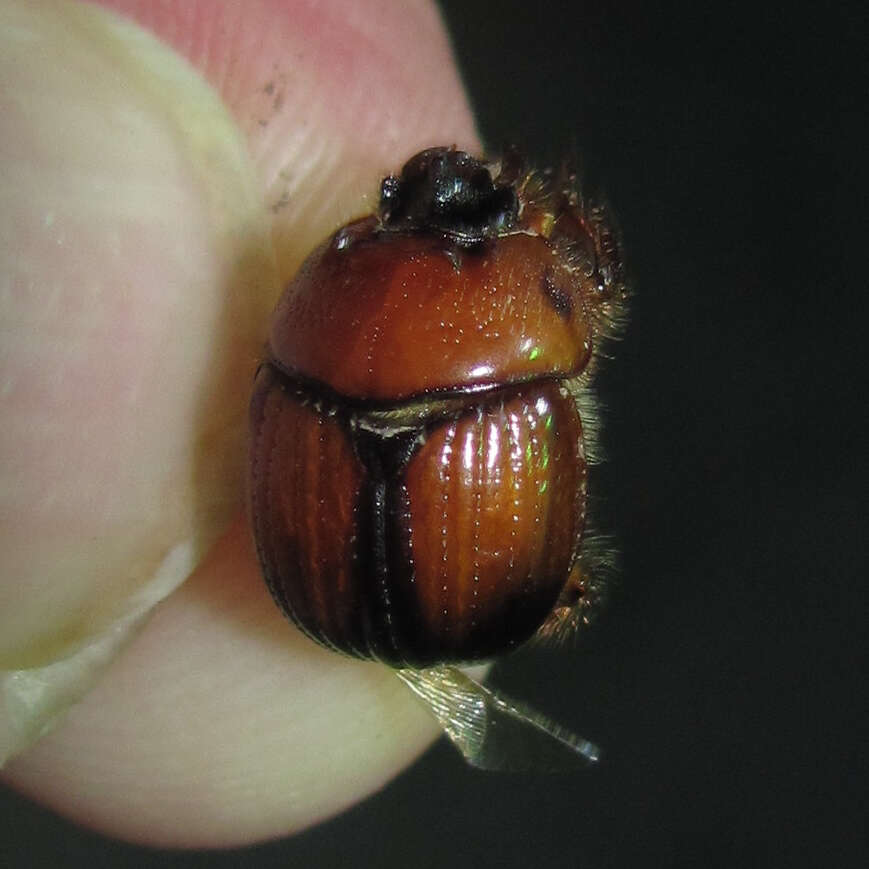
x: 582, y: 595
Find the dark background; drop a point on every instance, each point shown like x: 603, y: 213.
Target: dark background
x: 726, y: 676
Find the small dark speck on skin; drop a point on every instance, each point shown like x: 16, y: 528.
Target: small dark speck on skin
x: 560, y: 300
x: 270, y: 89
x: 283, y: 202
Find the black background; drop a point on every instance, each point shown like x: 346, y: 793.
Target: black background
x: 726, y: 676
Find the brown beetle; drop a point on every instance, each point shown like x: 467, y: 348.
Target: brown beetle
x: 418, y: 462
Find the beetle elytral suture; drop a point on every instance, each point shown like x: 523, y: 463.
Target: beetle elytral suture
x: 418, y: 473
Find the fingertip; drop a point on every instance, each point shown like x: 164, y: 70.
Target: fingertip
x: 221, y: 724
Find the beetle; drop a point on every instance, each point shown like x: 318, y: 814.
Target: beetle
x: 419, y: 433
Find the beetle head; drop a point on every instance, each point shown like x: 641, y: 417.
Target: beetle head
x: 448, y: 192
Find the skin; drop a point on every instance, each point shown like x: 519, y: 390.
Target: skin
x: 149, y: 225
